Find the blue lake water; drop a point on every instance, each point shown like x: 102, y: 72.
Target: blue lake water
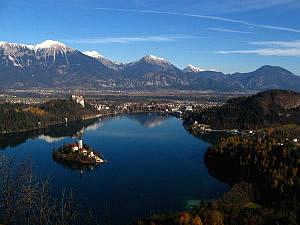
x: 154, y: 166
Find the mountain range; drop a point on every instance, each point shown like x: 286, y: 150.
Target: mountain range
x: 52, y: 64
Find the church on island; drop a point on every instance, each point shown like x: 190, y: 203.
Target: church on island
x: 78, y: 147
x: 78, y: 152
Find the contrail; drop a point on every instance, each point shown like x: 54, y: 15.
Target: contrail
x: 205, y: 17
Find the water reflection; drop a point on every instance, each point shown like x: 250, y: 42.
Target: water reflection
x: 211, y: 137
x: 222, y: 168
x: 100, y: 122
x: 75, y: 129
x: 149, y: 120
x: 50, y: 134
x: 149, y: 171
x: 13, y: 140
x: 50, y: 139
x: 76, y: 166
x: 57, y: 133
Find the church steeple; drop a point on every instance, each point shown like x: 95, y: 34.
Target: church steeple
x: 80, y: 142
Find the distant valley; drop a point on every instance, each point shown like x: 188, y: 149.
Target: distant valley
x: 52, y: 64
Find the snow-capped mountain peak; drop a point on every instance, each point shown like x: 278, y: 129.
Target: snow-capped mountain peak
x: 7, y: 45
x: 93, y: 54
x: 149, y: 65
x: 46, y: 53
x: 156, y: 58
x: 50, y: 44
x: 153, y: 58
x: 110, y: 64
x: 191, y: 68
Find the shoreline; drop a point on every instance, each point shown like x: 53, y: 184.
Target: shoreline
x: 90, y: 117
x: 50, y: 124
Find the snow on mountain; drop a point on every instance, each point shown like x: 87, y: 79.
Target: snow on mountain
x: 2, y: 43
x: 45, y: 53
x: 93, y: 54
x: 110, y: 64
x: 155, y: 60
x: 9, y: 46
x: 53, y: 64
x: 51, y: 44
x: 149, y: 66
x: 191, y: 68
x: 48, y: 44
x: 151, y: 59
x: 13, y: 54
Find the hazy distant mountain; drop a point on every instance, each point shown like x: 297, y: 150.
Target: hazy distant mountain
x: 53, y: 64
x: 213, y: 75
x: 268, y: 77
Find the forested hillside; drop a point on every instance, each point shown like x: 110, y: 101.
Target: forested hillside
x: 265, y: 109
x: 18, y: 117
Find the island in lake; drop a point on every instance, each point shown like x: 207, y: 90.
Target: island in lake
x: 78, y: 152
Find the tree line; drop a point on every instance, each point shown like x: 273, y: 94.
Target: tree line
x: 265, y: 109
x: 265, y: 185
x: 20, y: 117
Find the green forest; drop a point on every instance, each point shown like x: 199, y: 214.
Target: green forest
x: 265, y: 109
x: 20, y: 117
x: 262, y: 169
x: 265, y: 179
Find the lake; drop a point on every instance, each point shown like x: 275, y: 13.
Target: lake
x: 154, y: 165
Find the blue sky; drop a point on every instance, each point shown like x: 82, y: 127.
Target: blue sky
x: 230, y: 36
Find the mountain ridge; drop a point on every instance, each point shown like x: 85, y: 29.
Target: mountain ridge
x: 54, y: 64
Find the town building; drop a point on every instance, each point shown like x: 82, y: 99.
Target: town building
x: 78, y: 99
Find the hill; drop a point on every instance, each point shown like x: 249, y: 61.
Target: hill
x: 267, y: 77
x: 18, y: 117
x: 265, y: 109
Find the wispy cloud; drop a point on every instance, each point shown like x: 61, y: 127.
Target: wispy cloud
x: 124, y: 40
x: 247, y: 5
x: 288, y: 44
x: 279, y: 48
x: 266, y: 52
x: 229, y: 30
x: 271, y: 27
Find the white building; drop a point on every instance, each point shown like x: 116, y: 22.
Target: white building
x: 74, y: 147
x: 80, y: 143
x: 189, y: 108
x: 83, y: 151
x: 78, y: 99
